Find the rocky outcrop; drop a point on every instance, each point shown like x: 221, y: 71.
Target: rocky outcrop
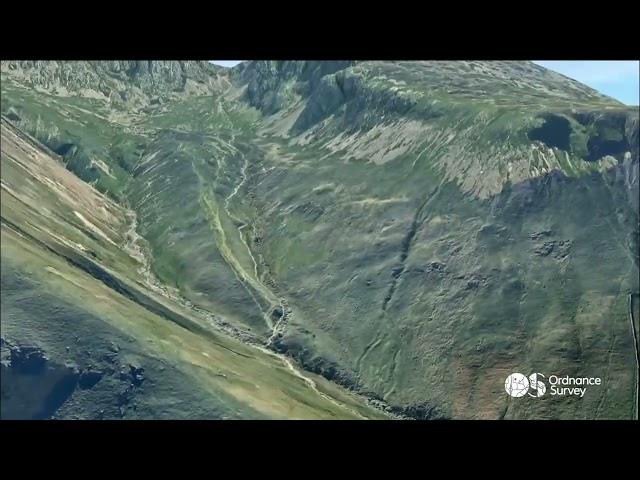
x: 120, y: 82
x: 272, y: 85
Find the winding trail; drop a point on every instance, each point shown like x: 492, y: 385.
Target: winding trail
x: 247, y: 276
x: 277, y: 328
x: 266, y: 288
x: 136, y: 250
x: 311, y: 383
x: 243, y: 179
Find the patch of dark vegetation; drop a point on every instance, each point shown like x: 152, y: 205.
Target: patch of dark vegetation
x: 601, y: 135
x: 421, y: 411
x: 600, y: 146
x: 126, y: 157
x: 28, y: 359
x: 11, y: 115
x: 89, y: 378
x: 33, y: 387
x: 39, y: 388
x: 277, y: 313
x: 60, y: 393
x: 609, y: 134
x: 64, y: 149
x: 555, y: 131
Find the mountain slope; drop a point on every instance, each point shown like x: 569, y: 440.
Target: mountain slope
x: 414, y: 231
x: 87, y: 335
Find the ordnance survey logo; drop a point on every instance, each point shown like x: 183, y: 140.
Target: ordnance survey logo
x: 519, y: 385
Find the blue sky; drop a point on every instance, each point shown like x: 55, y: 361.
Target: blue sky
x: 226, y: 63
x: 617, y: 78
